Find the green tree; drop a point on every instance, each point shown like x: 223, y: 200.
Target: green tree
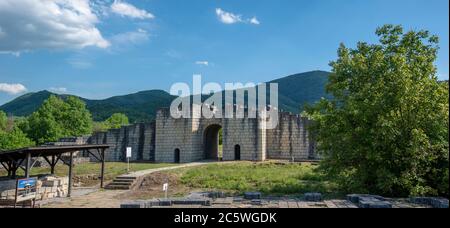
x: 99, y: 127
x: 385, y: 130
x: 116, y: 121
x: 14, y: 139
x: 57, y: 118
x: 3, y: 121
x: 77, y: 118
x: 11, y: 138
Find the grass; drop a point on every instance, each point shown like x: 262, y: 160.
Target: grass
x: 112, y: 169
x: 270, y: 178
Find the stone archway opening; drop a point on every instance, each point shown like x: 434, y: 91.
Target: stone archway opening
x: 237, y: 152
x: 213, y: 142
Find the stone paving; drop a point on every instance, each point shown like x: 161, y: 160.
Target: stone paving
x: 240, y: 202
x: 91, y: 198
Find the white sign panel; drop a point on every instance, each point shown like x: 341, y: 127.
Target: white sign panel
x: 128, y: 152
x: 165, y: 187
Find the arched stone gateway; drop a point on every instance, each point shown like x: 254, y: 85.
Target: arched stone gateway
x: 197, y: 139
x: 211, y: 142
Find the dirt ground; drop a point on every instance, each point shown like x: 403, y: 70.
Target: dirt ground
x: 151, y: 187
x: 96, y: 199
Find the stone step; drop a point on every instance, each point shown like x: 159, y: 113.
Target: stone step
x: 121, y: 184
x: 117, y: 187
x: 124, y: 181
x: 126, y: 178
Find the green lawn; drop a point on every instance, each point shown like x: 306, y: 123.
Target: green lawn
x: 112, y: 169
x: 270, y: 178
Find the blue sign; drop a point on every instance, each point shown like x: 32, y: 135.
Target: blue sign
x: 28, y: 183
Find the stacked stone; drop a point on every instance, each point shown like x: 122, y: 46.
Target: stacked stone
x: 434, y: 202
x: 313, y: 197
x: 165, y: 203
x: 7, y: 189
x: 369, y: 201
x: 52, y: 187
x: 47, y: 188
x: 252, y: 195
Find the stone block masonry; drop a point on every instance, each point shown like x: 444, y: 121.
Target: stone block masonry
x: 291, y: 139
x: 188, y: 140
x: 140, y: 137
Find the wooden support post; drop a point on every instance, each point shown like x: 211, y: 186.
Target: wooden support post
x: 52, y: 166
x: 103, y: 168
x: 69, y: 193
x: 13, y: 171
x: 27, y: 165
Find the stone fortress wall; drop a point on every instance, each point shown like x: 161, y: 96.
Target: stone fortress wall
x: 188, y: 140
x: 140, y: 137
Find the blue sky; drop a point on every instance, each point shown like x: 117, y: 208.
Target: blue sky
x: 104, y: 50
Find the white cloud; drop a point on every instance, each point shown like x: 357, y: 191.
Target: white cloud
x: 12, y: 88
x: 231, y: 18
x: 28, y: 25
x: 130, y: 38
x: 127, y: 10
x: 227, y: 18
x: 58, y: 89
x: 101, y: 7
x: 203, y: 63
x: 254, y: 21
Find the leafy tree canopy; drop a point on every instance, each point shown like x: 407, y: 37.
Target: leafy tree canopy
x: 116, y: 121
x: 385, y: 131
x: 57, y: 118
x: 12, y: 138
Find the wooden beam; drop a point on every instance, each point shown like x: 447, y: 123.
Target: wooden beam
x: 34, y: 162
x: 102, y: 177
x: 27, y: 165
x: 47, y: 160
x: 93, y: 155
x: 5, y: 166
x: 52, y: 168
x: 69, y: 193
x: 51, y: 163
x: 13, y: 170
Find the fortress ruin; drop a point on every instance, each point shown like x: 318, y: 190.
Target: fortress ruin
x: 172, y: 140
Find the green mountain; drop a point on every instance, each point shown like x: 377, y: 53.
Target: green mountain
x: 299, y: 89
x: 141, y: 106
x: 294, y: 91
